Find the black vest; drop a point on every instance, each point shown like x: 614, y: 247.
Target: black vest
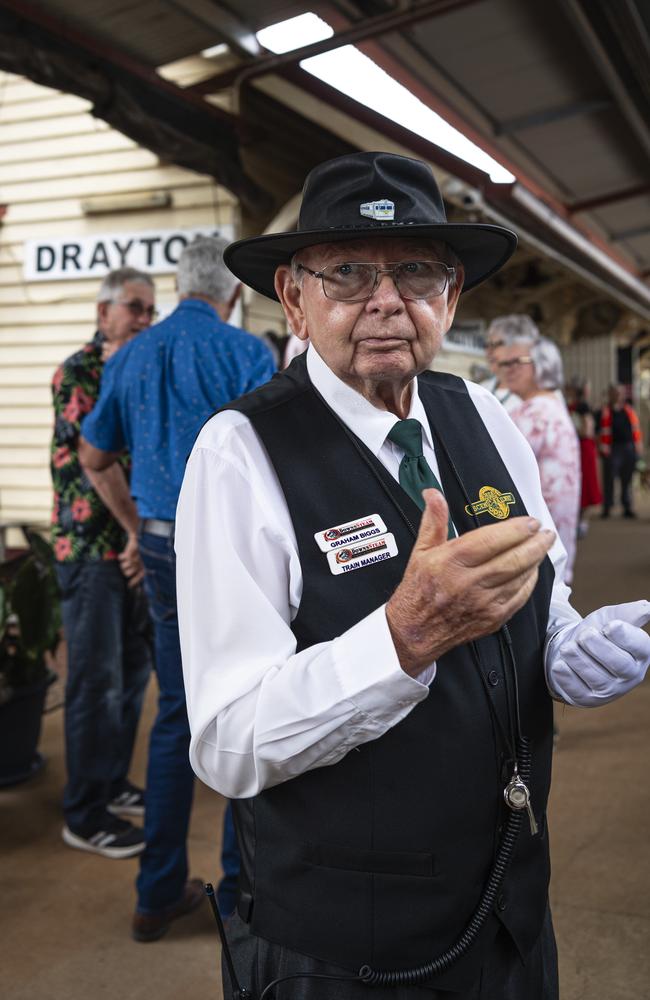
x: 381, y: 858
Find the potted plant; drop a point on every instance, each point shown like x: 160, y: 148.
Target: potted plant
x: 30, y: 624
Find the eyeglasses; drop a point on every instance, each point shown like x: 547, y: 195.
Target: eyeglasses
x: 507, y: 365
x: 356, y: 282
x: 138, y: 308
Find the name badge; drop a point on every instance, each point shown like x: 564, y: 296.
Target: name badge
x: 361, y: 554
x: 351, y: 531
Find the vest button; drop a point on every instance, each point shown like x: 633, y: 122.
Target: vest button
x: 501, y: 902
x: 493, y: 678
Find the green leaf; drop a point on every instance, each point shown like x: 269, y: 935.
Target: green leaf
x: 3, y: 613
x: 39, y: 547
x: 11, y: 567
x: 28, y: 590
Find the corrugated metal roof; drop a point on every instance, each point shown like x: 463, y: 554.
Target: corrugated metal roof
x: 162, y: 31
x: 559, y: 91
x: 530, y: 78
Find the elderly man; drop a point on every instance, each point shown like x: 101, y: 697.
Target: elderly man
x: 367, y: 610
x: 105, y: 613
x: 153, y: 401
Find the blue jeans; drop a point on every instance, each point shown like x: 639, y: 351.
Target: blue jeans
x: 108, y: 635
x: 619, y: 465
x: 170, y: 780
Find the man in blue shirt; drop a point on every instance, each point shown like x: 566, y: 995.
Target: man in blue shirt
x: 156, y: 393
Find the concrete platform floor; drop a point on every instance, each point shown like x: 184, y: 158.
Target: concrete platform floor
x: 64, y: 914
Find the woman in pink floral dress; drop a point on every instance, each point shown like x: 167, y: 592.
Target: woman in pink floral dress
x: 534, y: 372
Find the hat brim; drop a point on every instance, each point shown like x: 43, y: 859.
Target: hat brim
x: 483, y: 249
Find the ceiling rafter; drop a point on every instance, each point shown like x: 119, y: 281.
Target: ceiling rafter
x: 626, y: 194
x: 370, y: 28
x: 152, y: 111
x: 549, y: 116
x: 631, y: 233
x: 246, y: 152
x: 217, y: 17
x: 621, y: 21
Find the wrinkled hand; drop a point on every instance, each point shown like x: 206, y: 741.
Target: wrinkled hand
x: 602, y: 657
x: 130, y: 562
x: 459, y: 590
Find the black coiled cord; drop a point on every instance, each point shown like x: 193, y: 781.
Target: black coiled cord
x: 420, y: 974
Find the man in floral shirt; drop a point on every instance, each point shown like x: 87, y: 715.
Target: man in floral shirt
x: 105, y: 613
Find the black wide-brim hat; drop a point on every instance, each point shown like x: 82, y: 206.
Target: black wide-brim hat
x: 364, y: 195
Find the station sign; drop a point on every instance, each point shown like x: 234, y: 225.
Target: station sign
x: 155, y: 251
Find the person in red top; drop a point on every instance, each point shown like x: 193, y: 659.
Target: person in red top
x: 584, y: 422
x: 620, y: 447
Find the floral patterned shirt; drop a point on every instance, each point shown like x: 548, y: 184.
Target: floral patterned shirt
x: 546, y: 424
x: 82, y: 527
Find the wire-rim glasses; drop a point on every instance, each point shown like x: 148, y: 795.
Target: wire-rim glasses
x: 513, y: 363
x: 138, y: 308
x: 356, y: 281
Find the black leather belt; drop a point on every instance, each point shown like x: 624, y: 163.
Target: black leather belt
x: 152, y: 526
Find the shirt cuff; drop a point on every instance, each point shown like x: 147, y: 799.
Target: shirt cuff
x: 550, y: 656
x: 369, y: 672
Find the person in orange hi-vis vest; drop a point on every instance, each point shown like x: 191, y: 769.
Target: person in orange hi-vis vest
x: 620, y: 446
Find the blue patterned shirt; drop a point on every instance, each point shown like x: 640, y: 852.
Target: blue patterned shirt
x: 158, y: 391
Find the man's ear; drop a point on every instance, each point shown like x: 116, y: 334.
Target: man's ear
x: 102, y: 314
x: 453, y: 293
x: 290, y: 296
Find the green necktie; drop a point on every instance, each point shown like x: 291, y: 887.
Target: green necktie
x: 415, y: 473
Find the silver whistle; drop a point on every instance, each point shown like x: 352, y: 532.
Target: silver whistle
x: 517, y: 797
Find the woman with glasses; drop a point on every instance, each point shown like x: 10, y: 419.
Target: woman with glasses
x: 534, y: 372
x: 502, y: 331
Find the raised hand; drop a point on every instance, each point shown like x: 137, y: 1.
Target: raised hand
x: 459, y: 590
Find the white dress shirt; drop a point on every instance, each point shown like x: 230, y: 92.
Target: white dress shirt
x: 260, y: 712
x: 508, y: 399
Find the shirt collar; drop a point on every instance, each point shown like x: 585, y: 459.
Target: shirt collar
x: 197, y: 304
x: 369, y: 423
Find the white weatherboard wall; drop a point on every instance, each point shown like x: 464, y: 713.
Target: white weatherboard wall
x: 593, y: 359
x: 53, y: 156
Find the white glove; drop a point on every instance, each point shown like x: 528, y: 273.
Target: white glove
x: 602, y: 657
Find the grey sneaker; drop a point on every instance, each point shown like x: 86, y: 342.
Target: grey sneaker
x: 118, y: 839
x: 130, y: 802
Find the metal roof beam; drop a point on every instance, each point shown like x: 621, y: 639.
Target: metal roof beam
x: 216, y: 17
x: 550, y: 115
x: 627, y: 19
x: 33, y: 17
x: 490, y: 194
x: 626, y: 194
x: 129, y: 96
x: 630, y: 234
x: 369, y: 28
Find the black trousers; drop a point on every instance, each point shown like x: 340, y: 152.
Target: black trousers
x: 503, y: 975
x: 619, y: 465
